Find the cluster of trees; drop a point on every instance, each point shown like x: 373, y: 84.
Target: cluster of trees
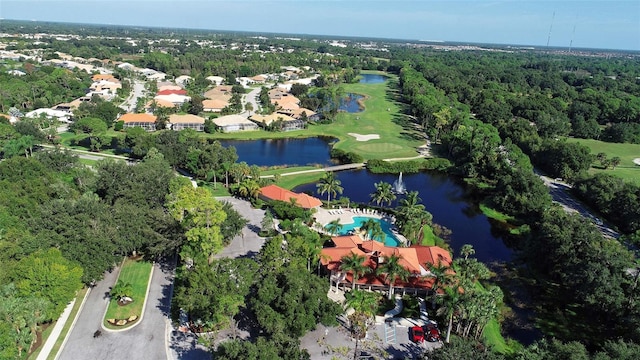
x: 41, y: 87
x: 278, y: 288
x: 581, y: 274
x: 616, y: 199
x: 64, y: 225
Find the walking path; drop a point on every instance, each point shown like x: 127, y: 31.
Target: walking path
x: 55, y: 333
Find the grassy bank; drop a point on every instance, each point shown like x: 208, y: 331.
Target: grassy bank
x: 136, y: 273
x: 627, y: 170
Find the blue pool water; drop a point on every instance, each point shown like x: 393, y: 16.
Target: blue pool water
x: 389, y: 240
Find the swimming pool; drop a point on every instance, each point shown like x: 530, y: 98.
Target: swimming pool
x: 389, y: 240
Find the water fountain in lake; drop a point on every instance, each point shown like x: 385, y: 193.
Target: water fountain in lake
x: 398, y: 185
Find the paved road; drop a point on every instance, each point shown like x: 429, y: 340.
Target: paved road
x: 560, y: 192
x: 251, y: 97
x: 137, y: 91
x: 145, y: 341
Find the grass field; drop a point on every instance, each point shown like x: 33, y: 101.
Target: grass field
x: 627, y: 170
x: 137, y: 274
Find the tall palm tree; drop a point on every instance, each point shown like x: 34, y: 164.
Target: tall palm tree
x: 364, y: 304
x: 451, y: 304
x: 354, y: 263
x: 441, y: 277
x: 384, y: 193
x: 392, y: 270
x: 334, y: 227
x: 329, y: 184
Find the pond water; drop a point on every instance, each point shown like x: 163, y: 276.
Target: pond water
x: 350, y: 103
x: 443, y: 198
x: 270, y: 152
x: 372, y: 79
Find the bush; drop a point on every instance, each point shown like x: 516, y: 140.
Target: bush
x: 407, y: 167
x: 345, y: 157
x: 118, y: 126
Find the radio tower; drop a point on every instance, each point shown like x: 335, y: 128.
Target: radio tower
x: 573, y: 34
x: 550, y: 28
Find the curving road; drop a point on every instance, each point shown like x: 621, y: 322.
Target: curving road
x: 560, y: 192
x: 147, y: 340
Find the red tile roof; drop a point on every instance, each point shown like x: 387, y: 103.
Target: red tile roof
x: 170, y: 91
x: 416, y: 259
x: 274, y: 192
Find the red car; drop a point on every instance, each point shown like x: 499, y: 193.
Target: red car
x: 417, y: 334
x: 432, y: 333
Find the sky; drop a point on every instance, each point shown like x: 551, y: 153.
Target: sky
x: 606, y: 24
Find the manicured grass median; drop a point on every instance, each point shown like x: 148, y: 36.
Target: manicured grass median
x: 136, y: 273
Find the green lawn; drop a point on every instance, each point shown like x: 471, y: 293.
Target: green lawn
x: 627, y: 170
x: 289, y: 182
x: 137, y: 274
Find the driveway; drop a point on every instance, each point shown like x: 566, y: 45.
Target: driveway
x: 147, y: 340
x: 248, y: 243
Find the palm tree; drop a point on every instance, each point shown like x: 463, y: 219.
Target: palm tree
x: 334, y: 227
x: 384, y: 193
x: 392, y: 270
x: 467, y: 250
x: 441, y: 277
x: 372, y: 230
x: 249, y: 188
x: 330, y: 185
x: 354, y: 263
x: 364, y: 304
x: 451, y: 302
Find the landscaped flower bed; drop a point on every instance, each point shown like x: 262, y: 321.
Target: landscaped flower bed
x: 128, y: 310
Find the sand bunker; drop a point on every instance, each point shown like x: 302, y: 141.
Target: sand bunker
x: 360, y: 137
x: 636, y: 161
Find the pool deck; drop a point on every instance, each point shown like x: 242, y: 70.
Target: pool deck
x: 325, y: 216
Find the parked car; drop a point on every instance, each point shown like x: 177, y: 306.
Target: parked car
x: 431, y: 332
x: 416, y: 334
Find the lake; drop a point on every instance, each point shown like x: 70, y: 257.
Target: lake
x: 270, y: 152
x: 372, y: 79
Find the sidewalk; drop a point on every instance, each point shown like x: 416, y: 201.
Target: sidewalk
x: 55, y: 333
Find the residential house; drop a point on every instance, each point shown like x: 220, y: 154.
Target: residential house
x: 297, y: 113
x: 216, y: 80
x: 214, y: 105
x: 59, y: 115
x: 172, y: 91
x: 285, y: 122
x: 187, y: 121
x: 275, y: 192
x: 173, y: 98
x: 232, y: 123
x: 145, y: 121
